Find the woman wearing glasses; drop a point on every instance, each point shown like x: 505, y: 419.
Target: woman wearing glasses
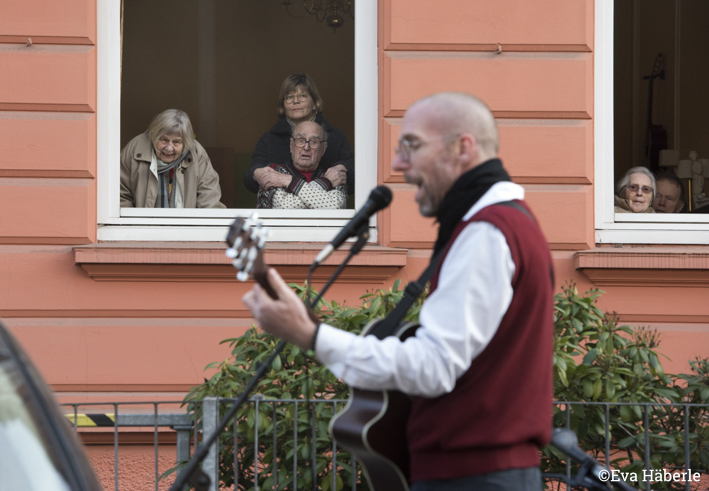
x: 298, y: 101
x: 636, y: 191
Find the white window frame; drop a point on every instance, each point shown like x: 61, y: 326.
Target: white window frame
x: 625, y: 228
x: 145, y: 224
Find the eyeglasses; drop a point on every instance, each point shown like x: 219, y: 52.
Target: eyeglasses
x: 290, y: 98
x: 407, y: 147
x: 300, y: 142
x: 633, y: 188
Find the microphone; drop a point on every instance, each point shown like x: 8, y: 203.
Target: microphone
x: 379, y: 198
x: 566, y: 441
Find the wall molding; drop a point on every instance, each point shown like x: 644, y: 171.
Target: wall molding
x: 497, y: 48
x: 135, y: 261
x: 650, y: 266
x: 34, y: 40
x: 45, y: 107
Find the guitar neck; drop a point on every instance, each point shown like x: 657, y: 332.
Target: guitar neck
x: 261, y: 277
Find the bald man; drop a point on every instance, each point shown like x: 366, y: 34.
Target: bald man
x: 304, y: 183
x: 479, y: 369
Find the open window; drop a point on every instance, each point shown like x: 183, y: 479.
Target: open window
x: 223, y: 62
x: 651, y: 60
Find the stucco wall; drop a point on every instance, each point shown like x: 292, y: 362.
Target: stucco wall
x: 103, y: 323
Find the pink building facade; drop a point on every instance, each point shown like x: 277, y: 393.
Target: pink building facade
x: 119, y: 304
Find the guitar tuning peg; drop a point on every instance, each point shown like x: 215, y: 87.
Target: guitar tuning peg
x: 254, y: 216
x: 237, y: 263
x: 261, y: 242
x: 238, y: 243
x: 244, y: 253
x: 231, y: 253
x: 242, y: 276
x: 253, y: 253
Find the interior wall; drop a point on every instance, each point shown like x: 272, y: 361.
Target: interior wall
x: 254, y: 45
x: 644, y: 28
x: 694, y: 77
x: 623, y: 88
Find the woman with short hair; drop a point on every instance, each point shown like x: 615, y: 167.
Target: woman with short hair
x: 636, y: 191
x: 165, y: 167
x: 298, y: 101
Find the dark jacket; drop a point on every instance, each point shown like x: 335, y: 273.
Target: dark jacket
x: 274, y: 148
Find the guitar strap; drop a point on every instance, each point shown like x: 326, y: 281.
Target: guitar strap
x: 390, y: 324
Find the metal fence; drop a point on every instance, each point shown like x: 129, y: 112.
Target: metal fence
x: 266, y: 437
x: 684, y: 415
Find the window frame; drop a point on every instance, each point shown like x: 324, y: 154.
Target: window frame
x: 612, y: 228
x: 145, y: 224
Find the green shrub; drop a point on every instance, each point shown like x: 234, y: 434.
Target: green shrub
x: 294, y: 375
x: 595, y: 360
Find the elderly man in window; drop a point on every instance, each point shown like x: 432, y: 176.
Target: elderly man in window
x: 635, y: 191
x: 304, y: 184
x: 670, y: 194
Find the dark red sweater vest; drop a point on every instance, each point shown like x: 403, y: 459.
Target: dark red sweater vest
x: 499, y: 413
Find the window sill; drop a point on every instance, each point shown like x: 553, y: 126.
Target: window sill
x: 649, y: 266
x: 135, y: 261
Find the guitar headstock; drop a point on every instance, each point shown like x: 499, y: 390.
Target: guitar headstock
x: 658, y: 69
x: 246, y: 240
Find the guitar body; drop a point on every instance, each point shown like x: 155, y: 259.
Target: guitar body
x: 373, y: 428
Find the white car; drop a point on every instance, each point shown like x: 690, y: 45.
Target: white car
x: 38, y: 447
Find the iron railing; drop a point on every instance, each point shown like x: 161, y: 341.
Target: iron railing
x: 162, y: 416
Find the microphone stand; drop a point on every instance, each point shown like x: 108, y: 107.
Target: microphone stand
x: 194, y: 475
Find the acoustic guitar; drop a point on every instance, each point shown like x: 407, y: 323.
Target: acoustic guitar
x: 246, y: 240
x: 372, y: 426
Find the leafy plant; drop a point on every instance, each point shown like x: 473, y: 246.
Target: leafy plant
x: 297, y: 378
x: 596, y: 360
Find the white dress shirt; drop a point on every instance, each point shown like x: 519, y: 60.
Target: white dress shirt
x: 458, y: 319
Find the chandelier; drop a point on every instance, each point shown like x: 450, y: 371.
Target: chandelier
x: 332, y: 11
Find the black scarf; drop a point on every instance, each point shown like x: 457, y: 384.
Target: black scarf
x: 464, y: 193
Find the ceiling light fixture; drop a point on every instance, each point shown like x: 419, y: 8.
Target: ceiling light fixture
x: 332, y: 11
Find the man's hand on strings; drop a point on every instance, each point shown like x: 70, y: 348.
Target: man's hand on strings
x: 285, y: 317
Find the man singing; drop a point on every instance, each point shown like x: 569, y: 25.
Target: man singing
x: 479, y: 369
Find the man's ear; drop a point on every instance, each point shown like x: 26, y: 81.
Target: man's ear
x: 466, y: 148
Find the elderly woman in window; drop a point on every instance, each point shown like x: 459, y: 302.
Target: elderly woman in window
x: 165, y: 167
x: 636, y: 191
x: 298, y: 101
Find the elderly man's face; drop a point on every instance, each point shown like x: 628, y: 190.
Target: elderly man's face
x: 426, y: 159
x: 307, y: 158
x: 638, y: 192
x: 667, y: 197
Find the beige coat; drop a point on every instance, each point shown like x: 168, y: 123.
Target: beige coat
x: 197, y: 179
